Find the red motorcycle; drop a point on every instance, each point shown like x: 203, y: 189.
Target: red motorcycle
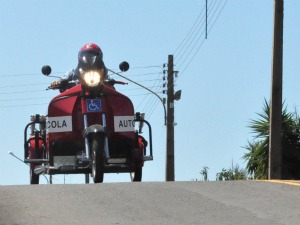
x: 89, y: 129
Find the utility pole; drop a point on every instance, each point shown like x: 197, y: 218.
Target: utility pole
x: 170, y: 175
x: 275, y: 148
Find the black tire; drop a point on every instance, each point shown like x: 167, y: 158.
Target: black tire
x: 98, y: 157
x: 34, y: 178
x: 87, y: 178
x: 136, y: 176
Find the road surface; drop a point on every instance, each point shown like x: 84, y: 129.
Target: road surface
x: 216, y: 203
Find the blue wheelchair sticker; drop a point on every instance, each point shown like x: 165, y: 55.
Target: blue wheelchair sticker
x: 93, y: 105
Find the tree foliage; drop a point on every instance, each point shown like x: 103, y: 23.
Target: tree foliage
x: 234, y: 173
x: 258, y: 148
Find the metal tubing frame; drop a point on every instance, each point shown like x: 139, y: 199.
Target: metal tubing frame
x: 138, y: 119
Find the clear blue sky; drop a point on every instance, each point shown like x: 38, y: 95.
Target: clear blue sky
x: 224, y: 78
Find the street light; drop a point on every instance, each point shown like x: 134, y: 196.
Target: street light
x: 124, y: 66
x: 177, y: 95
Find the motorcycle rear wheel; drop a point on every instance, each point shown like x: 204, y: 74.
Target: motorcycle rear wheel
x: 98, y: 157
x: 34, y: 178
x: 136, y: 176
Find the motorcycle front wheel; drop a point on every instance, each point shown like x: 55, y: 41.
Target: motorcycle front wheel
x: 34, y: 178
x: 98, y: 157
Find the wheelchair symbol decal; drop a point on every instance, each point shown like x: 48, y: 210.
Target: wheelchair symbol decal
x: 93, y: 105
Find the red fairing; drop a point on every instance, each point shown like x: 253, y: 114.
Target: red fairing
x: 68, y: 105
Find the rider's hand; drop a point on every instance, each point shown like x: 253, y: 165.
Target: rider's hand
x: 55, y: 84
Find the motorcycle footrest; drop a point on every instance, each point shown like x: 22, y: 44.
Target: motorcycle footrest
x: 36, y: 160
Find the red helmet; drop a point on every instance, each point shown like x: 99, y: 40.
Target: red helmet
x: 89, y: 54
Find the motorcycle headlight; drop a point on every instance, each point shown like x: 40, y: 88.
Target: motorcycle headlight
x: 93, y: 78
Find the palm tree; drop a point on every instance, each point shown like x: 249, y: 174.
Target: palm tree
x: 258, y: 149
x: 257, y: 157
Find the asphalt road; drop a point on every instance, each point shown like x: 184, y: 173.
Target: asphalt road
x: 216, y: 203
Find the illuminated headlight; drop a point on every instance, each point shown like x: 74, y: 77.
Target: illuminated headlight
x: 92, y: 78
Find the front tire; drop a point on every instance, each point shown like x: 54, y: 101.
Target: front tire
x: 98, y: 157
x: 34, y: 178
x: 87, y: 178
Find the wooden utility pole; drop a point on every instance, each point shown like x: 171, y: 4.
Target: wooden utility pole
x: 275, y: 148
x: 170, y: 174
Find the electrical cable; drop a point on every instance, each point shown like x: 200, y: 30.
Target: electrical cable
x: 191, y: 49
x: 152, y: 104
x: 181, y: 45
x: 146, y: 67
x: 191, y: 39
x: 23, y: 85
x: 208, y: 32
x: 23, y: 99
x: 155, y: 85
x: 20, y: 92
x: 193, y: 35
x: 15, y: 106
x: 26, y: 74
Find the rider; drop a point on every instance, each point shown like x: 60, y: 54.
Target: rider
x: 89, y: 56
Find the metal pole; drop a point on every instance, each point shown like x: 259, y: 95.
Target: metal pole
x: 170, y: 175
x: 275, y: 148
x: 206, y: 19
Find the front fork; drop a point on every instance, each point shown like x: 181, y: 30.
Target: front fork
x: 86, y: 139
x: 106, y: 150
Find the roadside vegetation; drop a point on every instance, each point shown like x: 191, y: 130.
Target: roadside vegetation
x: 233, y: 173
x: 258, y: 149
x: 257, y: 154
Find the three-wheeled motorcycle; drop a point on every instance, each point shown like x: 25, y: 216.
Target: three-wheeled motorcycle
x: 89, y: 129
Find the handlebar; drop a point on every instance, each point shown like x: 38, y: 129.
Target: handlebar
x: 113, y: 82
x: 63, y: 84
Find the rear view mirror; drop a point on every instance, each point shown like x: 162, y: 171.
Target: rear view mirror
x: 46, y: 70
x: 124, y: 66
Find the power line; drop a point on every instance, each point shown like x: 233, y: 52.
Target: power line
x: 187, y: 37
x: 149, y: 105
x: 152, y: 105
x: 146, y: 67
x: 218, y: 16
x: 194, y: 35
x: 15, y: 106
x: 26, y: 74
x: 208, y: 32
x: 146, y: 106
x: 138, y: 88
x: 22, y: 99
x: 20, y: 92
x: 135, y: 75
x: 23, y: 85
